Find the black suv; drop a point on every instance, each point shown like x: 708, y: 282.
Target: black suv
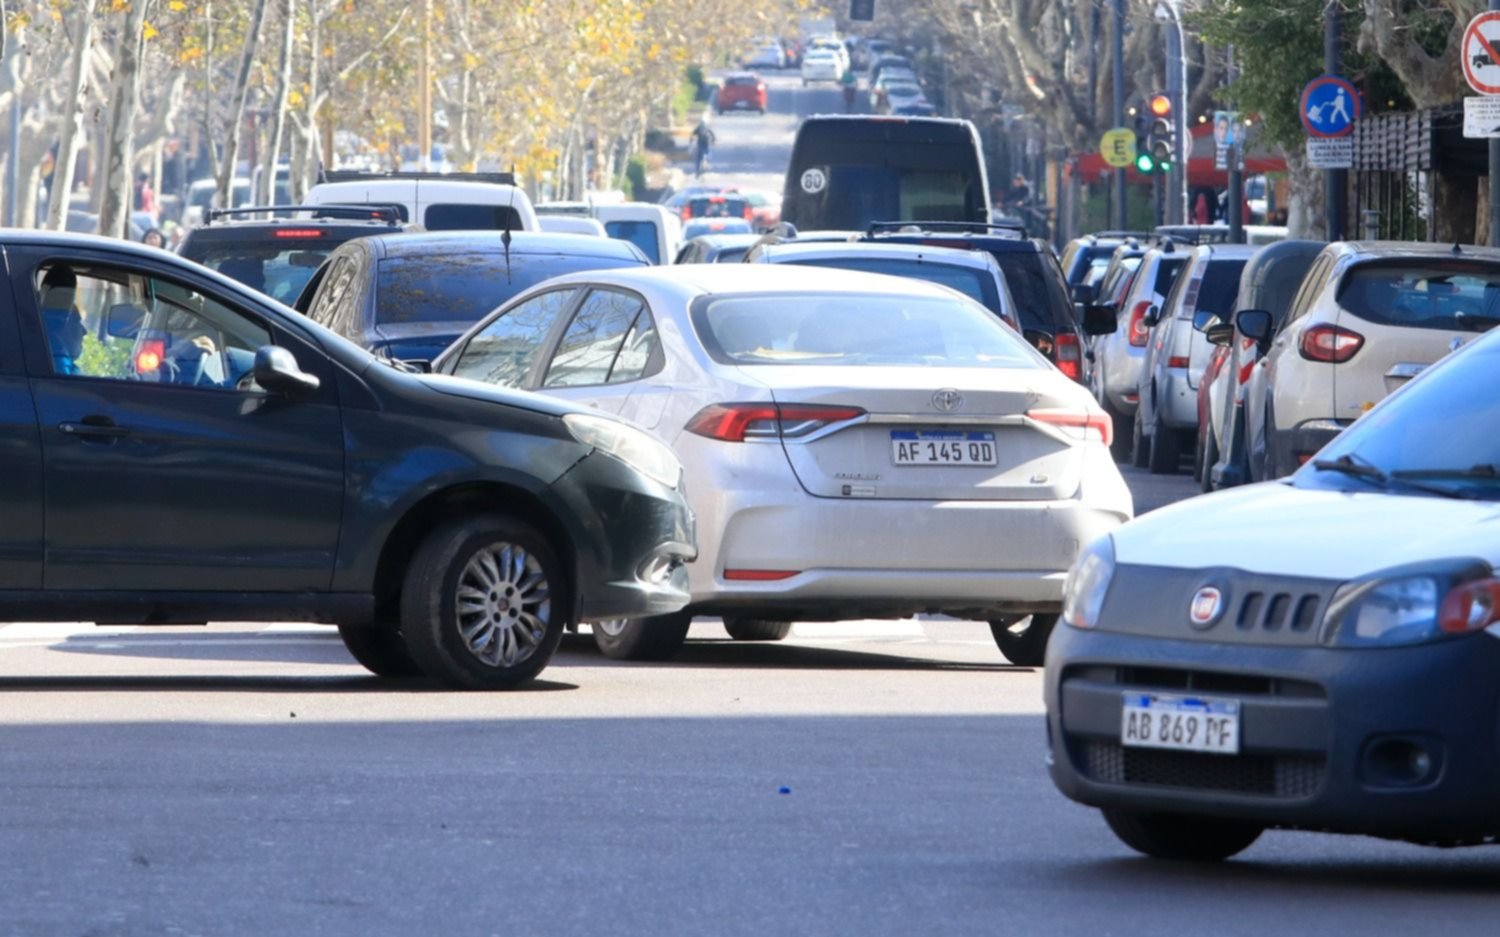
x: 410, y: 296
x: 178, y: 448
x: 1048, y: 316
x: 278, y: 255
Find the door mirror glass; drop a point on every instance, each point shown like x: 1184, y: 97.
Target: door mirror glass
x: 124, y: 320
x: 276, y: 371
x: 1099, y: 319
x: 1220, y: 333
x: 1203, y: 320
x: 1040, y: 340
x: 1254, y: 324
x: 1152, y: 316
x: 415, y: 365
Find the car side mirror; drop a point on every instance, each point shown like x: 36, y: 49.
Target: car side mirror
x: 1203, y: 320
x: 1040, y: 340
x: 1099, y: 319
x: 1083, y: 293
x: 1256, y: 325
x: 1220, y: 333
x: 124, y: 320
x: 1152, y: 316
x: 418, y: 365
x: 276, y: 371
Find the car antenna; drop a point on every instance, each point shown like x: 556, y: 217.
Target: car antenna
x: 505, y: 235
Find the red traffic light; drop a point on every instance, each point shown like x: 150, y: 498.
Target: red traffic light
x: 1160, y: 105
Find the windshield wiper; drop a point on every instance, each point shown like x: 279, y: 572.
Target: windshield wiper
x: 1484, y: 470
x: 1361, y: 468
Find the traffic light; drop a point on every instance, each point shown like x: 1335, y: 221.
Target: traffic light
x: 1145, y: 163
x: 1161, y: 142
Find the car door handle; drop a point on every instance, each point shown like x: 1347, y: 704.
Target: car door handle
x: 94, y: 427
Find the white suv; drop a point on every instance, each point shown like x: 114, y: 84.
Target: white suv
x: 1369, y: 318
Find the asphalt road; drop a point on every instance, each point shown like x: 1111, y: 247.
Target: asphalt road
x: 861, y: 778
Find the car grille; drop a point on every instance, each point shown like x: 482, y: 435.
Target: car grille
x: 1200, y: 681
x: 1287, y: 777
x: 1273, y: 611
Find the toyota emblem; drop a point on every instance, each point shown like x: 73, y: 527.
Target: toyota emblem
x: 1206, y: 607
x: 947, y: 400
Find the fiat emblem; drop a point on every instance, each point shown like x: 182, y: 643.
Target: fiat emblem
x: 947, y: 400
x: 1204, y: 611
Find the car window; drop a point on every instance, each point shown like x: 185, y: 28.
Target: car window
x: 504, y: 351
x: 444, y: 216
x: 640, y: 233
x: 977, y: 284
x: 1220, y: 286
x: 637, y: 352
x: 334, y: 304
x: 107, y: 323
x: 1312, y: 285
x: 1448, y: 295
x: 280, y: 269
x: 588, y: 348
x: 1167, y: 270
x: 465, y: 287
x: 1041, y: 296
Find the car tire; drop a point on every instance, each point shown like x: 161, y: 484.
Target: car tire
x: 656, y: 638
x: 1166, y: 449
x: 1180, y: 836
x: 1024, y: 647
x: 1140, y: 443
x: 380, y: 649
x: 517, y: 602
x: 757, y: 629
x: 1208, y: 454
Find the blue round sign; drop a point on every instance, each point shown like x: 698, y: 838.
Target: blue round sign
x: 1330, y: 106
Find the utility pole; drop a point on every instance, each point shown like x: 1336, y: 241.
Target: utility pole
x: 1236, y: 173
x: 424, y: 99
x: 1494, y: 177
x: 1170, y: 11
x: 1122, y: 222
x: 1335, y: 181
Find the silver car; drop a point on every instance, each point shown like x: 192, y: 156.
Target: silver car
x: 1120, y: 355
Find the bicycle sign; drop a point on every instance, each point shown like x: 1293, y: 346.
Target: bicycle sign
x: 1480, y: 52
x: 1330, y: 106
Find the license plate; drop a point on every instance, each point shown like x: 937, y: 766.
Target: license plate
x: 910, y: 447
x: 1181, y: 723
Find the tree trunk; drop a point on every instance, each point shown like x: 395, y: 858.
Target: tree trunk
x: 305, y: 158
x: 231, y: 153
x: 1453, y: 209
x: 72, y: 128
x: 1305, y: 213
x: 119, y: 151
x: 267, y: 195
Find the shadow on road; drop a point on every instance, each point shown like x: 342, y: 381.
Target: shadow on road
x: 230, y: 683
x: 579, y: 650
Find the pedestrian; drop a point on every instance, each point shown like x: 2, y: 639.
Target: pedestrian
x: 145, y: 196
x: 851, y: 88
x: 703, y: 141
x: 1200, y: 209
x: 154, y: 238
x: 1019, y: 193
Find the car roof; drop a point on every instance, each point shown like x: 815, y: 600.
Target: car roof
x: 1380, y: 250
x: 951, y: 256
x: 1226, y: 251
x: 689, y: 281
x: 492, y: 242
x: 726, y: 240
x: 27, y: 237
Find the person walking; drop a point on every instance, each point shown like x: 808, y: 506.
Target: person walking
x: 851, y: 88
x: 703, y: 141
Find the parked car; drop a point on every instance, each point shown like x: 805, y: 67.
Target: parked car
x: 1048, y: 317
x: 699, y: 227
x: 765, y: 207
x: 717, y: 205
x: 975, y: 274
x: 181, y: 448
x: 741, y: 91
x: 1120, y: 357
x: 1166, y: 416
x: 1368, y: 318
x: 817, y: 412
x: 1316, y: 654
x: 1085, y: 260
x: 437, y: 201
x: 768, y: 55
x: 716, y: 248
x: 407, y: 297
x: 1270, y: 282
x: 278, y: 255
x: 821, y: 65
x: 571, y: 224
x: 897, y: 95
x: 653, y: 229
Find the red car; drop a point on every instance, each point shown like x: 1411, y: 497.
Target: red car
x: 741, y: 91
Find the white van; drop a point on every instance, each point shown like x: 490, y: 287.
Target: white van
x: 571, y: 224
x: 436, y: 201
x: 656, y: 231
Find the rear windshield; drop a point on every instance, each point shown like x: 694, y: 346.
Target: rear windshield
x: 640, y: 233
x: 1166, y: 274
x: 1220, y: 289
x: 1041, y: 299
x: 458, y: 217
x: 278, y: 269
x: 865, y: 330
x: 463, y: 287
x: 858, y: 195
x: 1450, y: 296
x: 741, y: 81
x: 717, y: 207
x: 975, y: 284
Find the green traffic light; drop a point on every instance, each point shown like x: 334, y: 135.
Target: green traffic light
x: 1145, y: 163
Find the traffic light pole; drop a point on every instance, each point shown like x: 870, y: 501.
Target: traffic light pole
x: 1122, y: 221
x: 1494, y: 177
x: 1236, y: 200
x: 1177, y: 92
x: 1335, y: 181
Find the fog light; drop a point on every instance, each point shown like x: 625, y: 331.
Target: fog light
x: 1400, y: 761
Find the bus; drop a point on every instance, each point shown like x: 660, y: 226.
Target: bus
x: 848, y: 172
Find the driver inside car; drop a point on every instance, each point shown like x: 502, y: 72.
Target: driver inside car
x: 62, y: 318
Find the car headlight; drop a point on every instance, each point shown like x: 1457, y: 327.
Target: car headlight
x: 641, y: 451
x: 1397, y: 607
x: 1087, y: 583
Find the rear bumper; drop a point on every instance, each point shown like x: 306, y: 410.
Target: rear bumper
x: 1121, y: 369
x: 1318, y: 726
x: 1177, y: 400
x: 1291, y: 447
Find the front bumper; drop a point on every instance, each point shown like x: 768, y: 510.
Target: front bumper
x: 1323, y: 733
x: 632, y: 538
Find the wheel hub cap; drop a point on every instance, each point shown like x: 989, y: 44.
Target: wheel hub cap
x: 504, y: 605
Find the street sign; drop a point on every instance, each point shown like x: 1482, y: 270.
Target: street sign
x: 1482, y: 118
x: 862, y: 10
x: 1117, y: 146
x: 1480, y: 52
x: 1330, y: 153
x: 1227, y: 137
x: 1330, y: 106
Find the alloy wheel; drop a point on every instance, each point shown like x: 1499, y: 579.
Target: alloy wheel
x: 504, y: 604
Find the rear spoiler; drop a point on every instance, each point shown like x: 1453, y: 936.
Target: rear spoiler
x: 363, y: 175
x: 390, y: 214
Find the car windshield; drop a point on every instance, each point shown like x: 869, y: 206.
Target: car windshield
x: 856, y: 330
x: 640, y: 233
x: 277, y: 269
x: 463, y: 287
x: 978, y: 285
x: 1437, y: 433
x: 1447, y: 295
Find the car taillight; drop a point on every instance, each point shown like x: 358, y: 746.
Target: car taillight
x: 149, y: 355
x: 758, y: 575
x: 1177, y: 361
x: 1330, y: 343
x: 1140, y: 332
x: 749, y: 212
x: 1069, y: 355
x: 1093, y: 425
x: 687, y: 213
x: 1470, y: 607
x: 737, y: 422
x: 300, y: 233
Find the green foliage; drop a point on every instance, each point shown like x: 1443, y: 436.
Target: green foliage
x: 1278, y: 47
x: 103, y: 360
x: 685, y: 99
x: 693, y: 74
x: 635, y: 176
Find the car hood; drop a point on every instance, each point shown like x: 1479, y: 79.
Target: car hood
x: 1277, y: 529
x: 505, y: 396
